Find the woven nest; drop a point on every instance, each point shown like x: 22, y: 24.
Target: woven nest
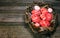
x: 31, y: 24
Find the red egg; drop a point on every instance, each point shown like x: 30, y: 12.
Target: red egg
x: 35, y: 18
x: 44, y: 10
x: 36, y: 12
x: 44, y: 23
x: 49, y: 16
x: 43, y: 17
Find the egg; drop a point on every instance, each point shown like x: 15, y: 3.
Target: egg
x: 35, y: 12
x: 44, y: 10
x: 36, y: 7
x: 43, y: 17
x: 37, y: 25
x: 35, y: 18
x: 49, y: 16
x: 50, y: 9
x: 44, y: 23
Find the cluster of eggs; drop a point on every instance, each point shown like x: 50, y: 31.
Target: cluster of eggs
x: 41, y: 16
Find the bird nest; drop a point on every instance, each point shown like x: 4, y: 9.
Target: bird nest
x: 31, y: 24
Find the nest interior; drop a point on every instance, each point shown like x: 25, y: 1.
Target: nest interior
x: 28, y: 14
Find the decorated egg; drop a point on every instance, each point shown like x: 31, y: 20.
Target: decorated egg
x: 37, y: 25
x: 36, y: 12
x: 50, y: 9
x: 44, y: 10
x: 36, y: 7
x: 44, y: 23
x: 43, y: 17
x: 49, y: 16
x: 35, y: 18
